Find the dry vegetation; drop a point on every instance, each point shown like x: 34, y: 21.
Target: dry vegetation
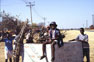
x: 69, y: 35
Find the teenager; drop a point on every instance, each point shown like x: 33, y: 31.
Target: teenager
x: 54, y: 38
x: 85, y: 45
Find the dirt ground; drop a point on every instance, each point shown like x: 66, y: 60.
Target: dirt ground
x: 2, y: 52
x: 71, y: 34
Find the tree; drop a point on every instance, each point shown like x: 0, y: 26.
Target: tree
x: 92, y: 27
x: 10, y: 22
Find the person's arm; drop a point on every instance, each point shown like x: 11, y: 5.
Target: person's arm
x: 86, y: 39
x: 58, y: 34
x: 77, y: 38
x: 80, y: 40
x: 72, y: 40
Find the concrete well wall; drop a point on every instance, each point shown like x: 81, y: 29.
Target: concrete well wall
x: 70, y: 52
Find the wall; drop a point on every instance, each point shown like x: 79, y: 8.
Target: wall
x: 70, y: 52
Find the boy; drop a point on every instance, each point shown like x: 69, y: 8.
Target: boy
x: 85, y: 45
x: 8, y: 47
x: 55, y: 38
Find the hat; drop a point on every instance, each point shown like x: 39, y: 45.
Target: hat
x: 53, y: 23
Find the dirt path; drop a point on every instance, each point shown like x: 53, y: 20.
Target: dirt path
x: 2, y: 52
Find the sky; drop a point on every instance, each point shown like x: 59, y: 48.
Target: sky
x: 66, y: 13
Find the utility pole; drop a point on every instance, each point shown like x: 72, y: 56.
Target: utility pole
x: 44, y: 20
x: 0, y: 8
x: 86, y: 23
x: 83, y: 26
x: 93, y: 19
x: 30, y: 5
x: 0, y: 12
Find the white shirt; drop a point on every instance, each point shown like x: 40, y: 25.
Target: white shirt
x: 27, y: 36
x: 53, y: 34
x: 84, y: 38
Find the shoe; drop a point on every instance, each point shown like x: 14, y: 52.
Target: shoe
x: 52, y: 59
x: 42, y: 57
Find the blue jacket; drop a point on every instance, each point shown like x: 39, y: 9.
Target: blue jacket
x: 8, y: 44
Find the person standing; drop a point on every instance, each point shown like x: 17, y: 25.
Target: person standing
x: 83, y: 38
x: 8, y: 47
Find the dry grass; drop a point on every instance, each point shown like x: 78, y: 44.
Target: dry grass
x: 69, y: 35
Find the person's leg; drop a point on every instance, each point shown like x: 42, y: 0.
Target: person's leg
x: 84, y: 54
x: 10, y: 59
x: 44, y: 50
x: 6, y: 60
x: 53, y: 50
x: 88, y: 55
x: 6, y: 56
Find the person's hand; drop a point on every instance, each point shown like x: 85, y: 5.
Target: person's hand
x: 50, y: 40
x: 71, y: 40
x: 63, y: 36
x: 80, y: 40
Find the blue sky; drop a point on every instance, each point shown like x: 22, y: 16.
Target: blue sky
x: 66, y: 13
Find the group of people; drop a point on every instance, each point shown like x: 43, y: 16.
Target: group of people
x: 55, y: 37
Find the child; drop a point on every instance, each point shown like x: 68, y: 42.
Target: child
x: 83, y: 38
x: 8, y: 47
x: 55, y: 38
